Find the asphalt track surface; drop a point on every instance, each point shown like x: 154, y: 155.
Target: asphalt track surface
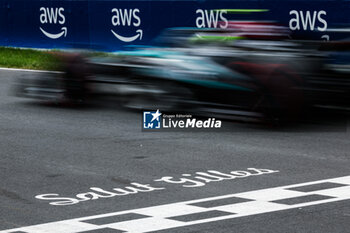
x: 66, y: 151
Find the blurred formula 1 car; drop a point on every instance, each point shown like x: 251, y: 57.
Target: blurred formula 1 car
x: 215, y: 71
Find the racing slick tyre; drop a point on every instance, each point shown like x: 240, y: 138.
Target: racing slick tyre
x: 284, y: 97
x: 74, y: 80
x: 279, y: 94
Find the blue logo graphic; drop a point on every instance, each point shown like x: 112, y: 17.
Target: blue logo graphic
x: 152, y: 120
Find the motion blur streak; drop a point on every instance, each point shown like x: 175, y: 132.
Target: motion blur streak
x: 250, y: 70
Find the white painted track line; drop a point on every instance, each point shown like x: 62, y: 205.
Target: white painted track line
x: 28, y: 70
x: 192, y: 212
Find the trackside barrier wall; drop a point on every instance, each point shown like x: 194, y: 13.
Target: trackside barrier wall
x: 112, y: 25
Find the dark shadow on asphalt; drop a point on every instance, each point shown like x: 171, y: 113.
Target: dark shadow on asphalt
x: 316, y: 120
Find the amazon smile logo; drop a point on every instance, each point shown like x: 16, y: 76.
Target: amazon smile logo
x: 126, y: 18
x: 53, y: 15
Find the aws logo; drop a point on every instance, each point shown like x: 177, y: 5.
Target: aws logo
x: 126, y: 18
x: 313, y: 21
x: 50, y: 15
x: 211, y: 18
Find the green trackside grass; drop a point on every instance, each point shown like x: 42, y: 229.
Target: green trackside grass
x: 36, y: 59
x: 27, y: 59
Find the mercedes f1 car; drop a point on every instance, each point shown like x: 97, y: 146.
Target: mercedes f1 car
x: 214, y: 71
